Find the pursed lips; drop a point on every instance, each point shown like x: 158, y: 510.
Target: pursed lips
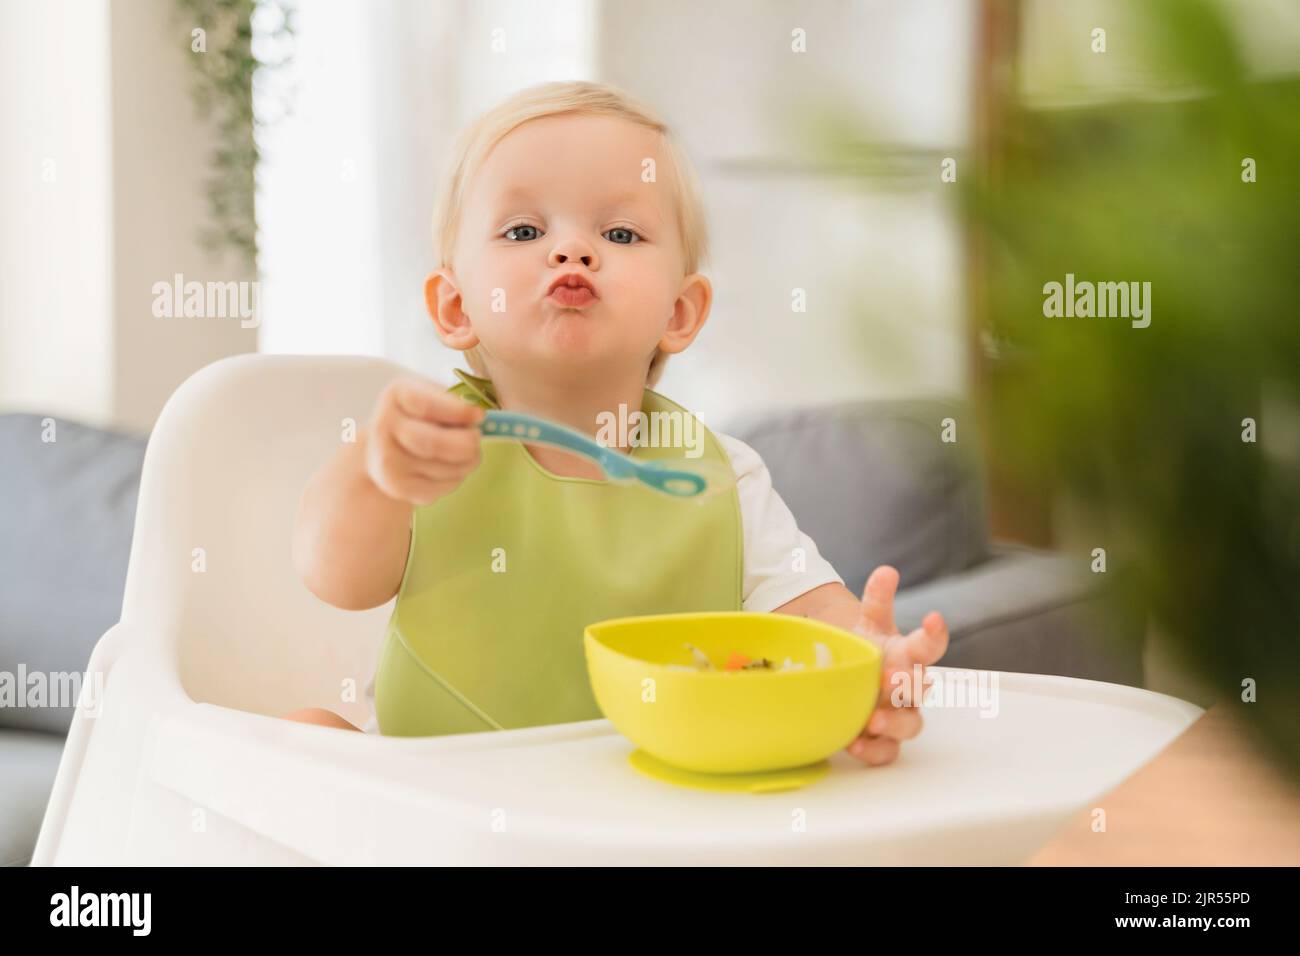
x: 572, y: 291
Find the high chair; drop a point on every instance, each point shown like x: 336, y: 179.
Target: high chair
x: 181, y: 758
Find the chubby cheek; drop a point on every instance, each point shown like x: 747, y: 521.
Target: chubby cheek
x: 499, y: 286
x: 641, y: 291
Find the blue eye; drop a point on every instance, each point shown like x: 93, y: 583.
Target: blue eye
x: 620, y: 232
x: 535, y: 232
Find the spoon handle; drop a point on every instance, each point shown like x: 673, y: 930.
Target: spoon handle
x: 657, y: 475
x: 529, y: 428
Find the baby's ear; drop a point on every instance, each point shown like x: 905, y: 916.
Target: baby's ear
x: 443, y: 300
x: 690, y: 312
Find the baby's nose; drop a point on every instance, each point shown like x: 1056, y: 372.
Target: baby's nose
x: 572, y: 248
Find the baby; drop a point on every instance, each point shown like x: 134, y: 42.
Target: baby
x: 570, y: 230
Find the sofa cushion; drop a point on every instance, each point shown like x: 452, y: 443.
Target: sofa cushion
x: 30, y: 761
x: 67, y: 509
x: 1031, y: 611
x: 874, y: 483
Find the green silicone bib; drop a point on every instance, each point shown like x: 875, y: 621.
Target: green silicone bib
x: 504, y: 574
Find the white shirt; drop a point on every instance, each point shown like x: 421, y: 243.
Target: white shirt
x: 774, y: 547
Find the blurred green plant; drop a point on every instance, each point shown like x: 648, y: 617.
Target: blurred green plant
x: 226, y: 67
x: 1145, y: 428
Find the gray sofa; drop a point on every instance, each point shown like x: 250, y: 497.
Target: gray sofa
x: 870, y: 482
x: 874, y: 483
x: 67, y: 508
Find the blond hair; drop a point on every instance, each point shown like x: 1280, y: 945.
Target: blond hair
x: 554, y: 99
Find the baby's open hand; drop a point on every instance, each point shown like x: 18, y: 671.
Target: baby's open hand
x: 421, y: 441
x: 890, y: 722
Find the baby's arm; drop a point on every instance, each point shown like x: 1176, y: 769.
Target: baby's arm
x: 832, y: 603
x: 353, y: 526
x: 350, y: 539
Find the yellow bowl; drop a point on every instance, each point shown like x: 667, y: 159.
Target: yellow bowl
x: 721, y: 721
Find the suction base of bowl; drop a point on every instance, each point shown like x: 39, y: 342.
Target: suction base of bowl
x: 791, y: 778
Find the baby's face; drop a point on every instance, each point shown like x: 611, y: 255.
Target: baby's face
x: 561, y: 196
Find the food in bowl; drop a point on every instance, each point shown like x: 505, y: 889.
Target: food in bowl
x: 737, y: 661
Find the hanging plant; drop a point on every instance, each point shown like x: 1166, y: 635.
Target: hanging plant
x: 221, y: 49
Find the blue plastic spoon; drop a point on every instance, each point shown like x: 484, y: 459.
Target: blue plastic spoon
x: 669, y: 479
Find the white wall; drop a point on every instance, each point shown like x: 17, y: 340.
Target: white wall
x: 56, y: 281
x: 161, y: 163
x: 880, y: 261
x: 102, y: 174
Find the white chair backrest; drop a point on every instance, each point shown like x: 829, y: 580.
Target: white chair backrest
x: 211, y: 582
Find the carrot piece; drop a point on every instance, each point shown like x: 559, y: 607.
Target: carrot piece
x: 736, y: 661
